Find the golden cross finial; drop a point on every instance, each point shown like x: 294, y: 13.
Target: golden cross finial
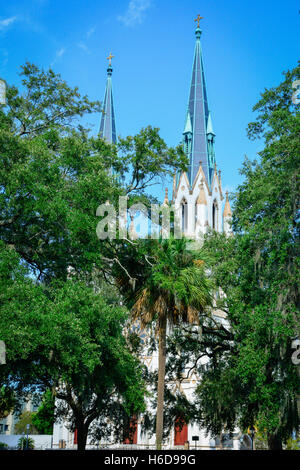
x: 109, y: 59
x: 198, y: 20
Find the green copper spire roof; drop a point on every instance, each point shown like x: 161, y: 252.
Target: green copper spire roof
x: 188, y: 124
x: 210, y: 126
x: 108, y: 125
x: 198, y: 113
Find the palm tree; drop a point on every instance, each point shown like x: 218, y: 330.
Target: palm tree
x: 171, y: 286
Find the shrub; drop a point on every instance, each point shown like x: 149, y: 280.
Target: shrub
x: 292, y: 444
x: 24, y: 443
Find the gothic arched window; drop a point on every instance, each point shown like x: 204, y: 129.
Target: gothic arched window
x: 184, y: 215
x: 215, y: 215
x: 187, y: 144
x: 196, y: 213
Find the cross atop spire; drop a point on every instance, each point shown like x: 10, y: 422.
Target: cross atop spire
x: 109, y: 59
x: 198, y: 20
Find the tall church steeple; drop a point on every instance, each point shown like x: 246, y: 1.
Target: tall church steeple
x: 108, y: 124
x: 198, y: 195
x: 198, y: 136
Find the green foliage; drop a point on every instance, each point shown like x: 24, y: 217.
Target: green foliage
x: 21, y: 425
x: 7, y: 401
x: 69, y: 334
x: 43, y: 419
x: 26, y: 443
x: 53, y: 176
x: 292, y: 444
x: 146, y: 156
x: 3, y: 445
x: 259, y: 271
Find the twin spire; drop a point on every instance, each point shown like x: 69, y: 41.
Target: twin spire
x: 198, y: 141
x: 107, y: 129
x: 198, y: 132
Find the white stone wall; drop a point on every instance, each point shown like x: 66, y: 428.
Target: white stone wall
x: 204, y: 212
x: 41, y: 441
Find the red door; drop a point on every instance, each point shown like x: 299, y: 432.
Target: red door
x: 180, y: 433
x: 132, y: 438
x: 75, y: 436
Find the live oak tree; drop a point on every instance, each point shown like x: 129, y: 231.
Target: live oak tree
x: 98, y: 367
x: 45, y: 159
x: 53, y: 176
x: 68, y: 338
x: 267, y: 215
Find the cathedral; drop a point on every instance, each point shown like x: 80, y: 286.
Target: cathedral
x: 197, y: 194
x: 199, y: 199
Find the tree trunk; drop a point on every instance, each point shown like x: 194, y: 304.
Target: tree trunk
x: 82, y: 433
x: 162, y: 334
x: 221, y: 442
x: 274, y: 442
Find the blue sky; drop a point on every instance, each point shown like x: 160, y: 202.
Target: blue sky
x: 246, y: 46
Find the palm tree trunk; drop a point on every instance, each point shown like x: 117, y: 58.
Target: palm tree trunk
x: 162, y: 334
